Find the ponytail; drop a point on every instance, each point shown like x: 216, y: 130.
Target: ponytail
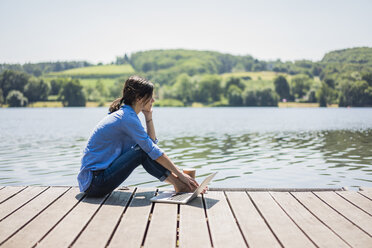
x: 134, y: 88
x: 116, y: 104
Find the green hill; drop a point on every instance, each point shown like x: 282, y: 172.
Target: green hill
x: 358, y: 55
x: 102, y: 71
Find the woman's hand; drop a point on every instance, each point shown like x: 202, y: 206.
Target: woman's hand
x: 188, y: 181
x: 147, y: 114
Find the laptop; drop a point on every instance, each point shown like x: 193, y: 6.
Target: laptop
x: 182, y: 197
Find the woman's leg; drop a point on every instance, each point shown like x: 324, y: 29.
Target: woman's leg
x: 107, y: 180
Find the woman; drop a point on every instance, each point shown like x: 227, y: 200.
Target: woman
x: 119, y: 144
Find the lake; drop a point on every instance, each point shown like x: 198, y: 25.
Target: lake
x: 249, y: 147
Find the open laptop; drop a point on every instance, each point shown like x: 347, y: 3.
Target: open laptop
x: 181, y: 197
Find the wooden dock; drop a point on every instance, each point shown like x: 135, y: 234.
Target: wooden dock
x: 62, y: 217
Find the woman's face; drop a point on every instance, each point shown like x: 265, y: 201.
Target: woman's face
x: 147, y: 103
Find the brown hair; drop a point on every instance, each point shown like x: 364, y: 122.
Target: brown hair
x: 134, y: 88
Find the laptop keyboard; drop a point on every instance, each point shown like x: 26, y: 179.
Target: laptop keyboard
x: 180, y: 197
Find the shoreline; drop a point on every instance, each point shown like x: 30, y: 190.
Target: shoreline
x: 58, y: 104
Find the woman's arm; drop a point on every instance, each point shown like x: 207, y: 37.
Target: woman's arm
x: 165, y: 161
x: 149, y: 124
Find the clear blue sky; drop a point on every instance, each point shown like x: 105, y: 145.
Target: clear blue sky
x: 98, y: 31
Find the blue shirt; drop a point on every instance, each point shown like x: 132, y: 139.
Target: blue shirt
x: 114, y: 135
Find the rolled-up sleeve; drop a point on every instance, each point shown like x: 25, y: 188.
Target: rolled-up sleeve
x: 136, y: 131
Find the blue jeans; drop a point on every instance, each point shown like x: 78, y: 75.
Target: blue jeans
x: 105, y: 181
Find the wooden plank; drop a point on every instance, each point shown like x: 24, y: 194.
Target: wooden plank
x: 254, y: 228
x: 18, y: 219
x: 193, y: 228
x: 69, y: 228
x: 223, y: 227
x: 352, y: 213
x: 132, y: 226
x: 366, y: 193
x: 38, y: 227
x: 344, y: 228
x: 320, y: 234
x: 162, y: 230
x: 358, y: 200
x: 285, y: 230
x: 8, y: 192
x: 104, y: 222
x: 273, y: 189
x: 19, y: 200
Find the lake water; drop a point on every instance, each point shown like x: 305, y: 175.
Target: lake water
x: 249, y: 147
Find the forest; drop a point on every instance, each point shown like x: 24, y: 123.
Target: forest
x: 195, y: 78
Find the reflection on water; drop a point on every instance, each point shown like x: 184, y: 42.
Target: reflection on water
x: 287, y: 159
x: 39, y: 149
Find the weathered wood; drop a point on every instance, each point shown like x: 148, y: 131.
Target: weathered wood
x: 358, y: 200
x: 8, y: 192
x: 274, y: 189
x: 253, y: 226
x: 131, y: 229
x: 38, y: 227
x: 19, y: 200
x: 286, y: 231
x: 193, y: 229
x: 69, y: 228
x: 366, y: 193
x: 162, y: 230
x: 223, y: 227
x: 104, y: 222
x: 344, y: 228
x: 320, y: 234
x: 18, y: 219
x: 352, y: 213
x: 57, y: 217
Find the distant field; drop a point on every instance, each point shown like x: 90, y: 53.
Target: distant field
x: 103, y: 71
x: 108, y: 82
x: 259, y: 84
x: 257, y: 75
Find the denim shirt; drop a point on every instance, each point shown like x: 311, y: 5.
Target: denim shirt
x: 115, y: 134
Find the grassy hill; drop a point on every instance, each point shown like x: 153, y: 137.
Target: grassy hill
x: 102, y: 71
x: 358, y: 55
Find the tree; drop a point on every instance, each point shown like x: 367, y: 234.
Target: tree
x: 311, y: 96
x: 300, y: 85
x: 234, y: 81
x: 13, y: 80
x: 323, y: 95
x: 368, y: 78
x: 249, y: 98
x: 209, y: 88
x: 36, y: 90
x: 1, y: 97
x: 282, y: 87
x: 72, y: 94
x: 15, y: 98
x: 56, y: 85
x: 266, y: 97
x: 234, y: 95
x: 183, y: 88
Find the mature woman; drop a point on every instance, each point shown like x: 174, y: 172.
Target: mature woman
x: 119, y: 144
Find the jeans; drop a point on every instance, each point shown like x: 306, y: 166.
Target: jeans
x: 105, y: 181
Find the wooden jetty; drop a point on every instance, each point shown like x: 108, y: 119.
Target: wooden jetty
x: 63, y: 217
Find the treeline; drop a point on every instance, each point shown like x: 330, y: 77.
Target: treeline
x: 184, y: 77
x: 18, y: 89
x: 38, y: 69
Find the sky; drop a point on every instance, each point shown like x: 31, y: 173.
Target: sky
x: 98, y: 31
